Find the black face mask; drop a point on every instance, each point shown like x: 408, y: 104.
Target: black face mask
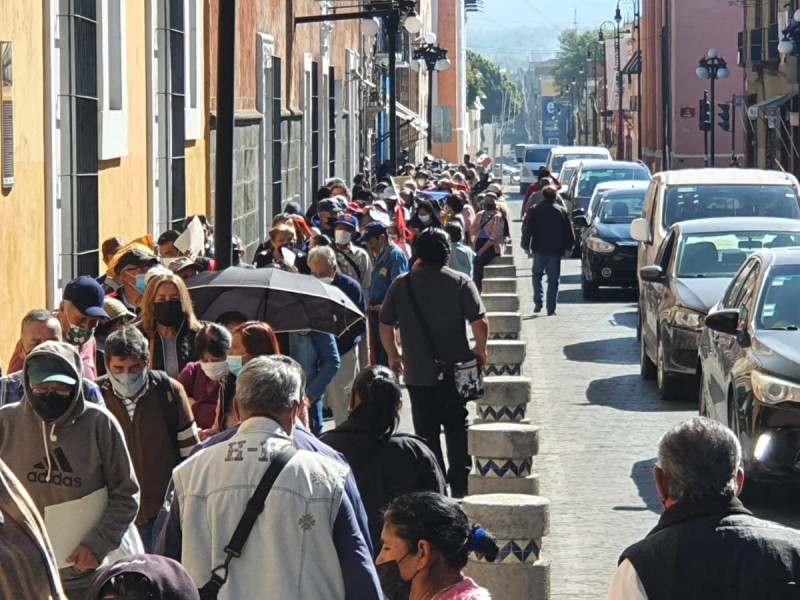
x: 168, y: 313
x: 392, y: 583
x: 50, y: 406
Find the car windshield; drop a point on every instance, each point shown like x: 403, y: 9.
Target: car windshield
x: 560, y: 159
x: 591, y: 177
x: 779, y: 306
x: 566, y: 173
x: 620, y: 208
x: 721, y: 254
x: 536, y: 155
x: 683, y: 203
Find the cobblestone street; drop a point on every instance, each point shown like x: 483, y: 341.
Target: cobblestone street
x: 600, y: 424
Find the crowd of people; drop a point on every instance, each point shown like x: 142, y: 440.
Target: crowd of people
x: 142, y: 443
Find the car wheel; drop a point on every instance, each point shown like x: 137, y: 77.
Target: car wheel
x: 647, y: 369
x: 668, y: 386
x: 591, y: 291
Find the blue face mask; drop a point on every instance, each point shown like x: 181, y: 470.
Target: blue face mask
x: 234, y: 364
x: 141, y: 283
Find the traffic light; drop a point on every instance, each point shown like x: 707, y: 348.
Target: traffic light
x: 705, y: 114
x: 724, y: 115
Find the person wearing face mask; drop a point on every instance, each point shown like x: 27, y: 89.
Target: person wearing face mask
x: 201, y: 379
x: 353, y: 260
x: 38, y: 326
x: 426, y: 541
x: 79, y: 313
x: 386, y: 463
x: 323, y: 266
x: 63, y: 449
x: 328, y: 210
x: 389, y: 263
x: 282, y: 252
x: 426, y: 215
x: 154, y: 414
x: 251, y: 339
x: 131, y: 271
x: 489, y: 235
x: 169, y: 322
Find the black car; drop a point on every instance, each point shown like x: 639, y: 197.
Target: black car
x: 694, y: 265
x: 749, y: 363
x: 608, y: 253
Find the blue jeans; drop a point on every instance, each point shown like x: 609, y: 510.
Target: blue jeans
x: 146, y: 533
x: 549, y: 264
x: 315, y: 416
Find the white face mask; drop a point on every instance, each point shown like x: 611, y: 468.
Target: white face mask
x: 424, y: 218
x: 215, y: 370
x: 342, y: 237
x: 328, y: 280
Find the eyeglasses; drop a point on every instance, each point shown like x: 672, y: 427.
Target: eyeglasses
x: 41, y: 390
x: 130, y: 584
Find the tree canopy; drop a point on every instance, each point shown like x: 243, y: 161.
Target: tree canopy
x: 573, y: 48
x: 487, y: 80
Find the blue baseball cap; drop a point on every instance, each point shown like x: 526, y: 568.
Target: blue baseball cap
x: 347, y: 219
x: 373, y: 231
x: 87, y: 296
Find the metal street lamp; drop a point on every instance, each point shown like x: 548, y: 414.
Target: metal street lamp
x: 620, y: 154
x: 593, y: 57
x: 712, y: 67
x: 790, y: 43
x: 637, y: 27
x: 391, y: 13
x: 435, y: 59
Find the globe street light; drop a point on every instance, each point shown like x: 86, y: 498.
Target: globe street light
x: 791, y: 39
x: 435, y: 59
x: 712, y: 67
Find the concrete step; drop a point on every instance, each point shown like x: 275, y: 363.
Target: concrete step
x: 500, y: 302
x: 493, y: 271
x: 504, y: 325
x: 500, y: 286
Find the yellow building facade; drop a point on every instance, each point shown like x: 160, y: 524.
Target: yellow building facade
x: 109, y: 137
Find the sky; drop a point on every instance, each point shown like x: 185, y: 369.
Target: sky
x: 513, y: 32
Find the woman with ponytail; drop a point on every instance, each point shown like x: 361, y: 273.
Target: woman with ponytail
x: 386, y: 464
x: 426, y: 541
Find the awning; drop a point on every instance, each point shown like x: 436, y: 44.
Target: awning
x: 771, y: 103
x: 409, y: 115
x: 634, y: 65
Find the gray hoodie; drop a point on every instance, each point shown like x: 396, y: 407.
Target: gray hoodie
x: 70, y: 457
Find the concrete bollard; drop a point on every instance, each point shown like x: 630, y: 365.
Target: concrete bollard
x: 519, y: 523
x: 505, y: 400
x: 505, y: 357
x: 504, y: 325
x: 500, y: 302
x: 506, y: 285
x: 506, y: 259
x: 493, y: 271
x: 503, y: 455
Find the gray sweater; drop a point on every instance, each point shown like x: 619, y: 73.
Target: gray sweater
x: 69, y: 458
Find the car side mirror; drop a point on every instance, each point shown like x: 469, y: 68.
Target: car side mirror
x: 519, y: 160
x: 640, y: 231
x: 578, y: 212
x: 724, y: 321
x: 580, y: 220
x: 652, y: 273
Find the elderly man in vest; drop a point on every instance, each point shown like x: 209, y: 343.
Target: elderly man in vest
x: 306, y: 543
x: 706, y: 545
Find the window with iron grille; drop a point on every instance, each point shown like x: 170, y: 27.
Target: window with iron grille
x: 277, y: 148
x: 170, y: 106
x: 78, y: 108
x: 315, y: 147
x: 756, y: 50
x: 331, y: 122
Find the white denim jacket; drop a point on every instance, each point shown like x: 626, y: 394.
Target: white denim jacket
x: 290, y: 552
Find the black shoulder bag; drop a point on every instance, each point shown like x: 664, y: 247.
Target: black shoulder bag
x: 255, y: 506
x: 465, y: 377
